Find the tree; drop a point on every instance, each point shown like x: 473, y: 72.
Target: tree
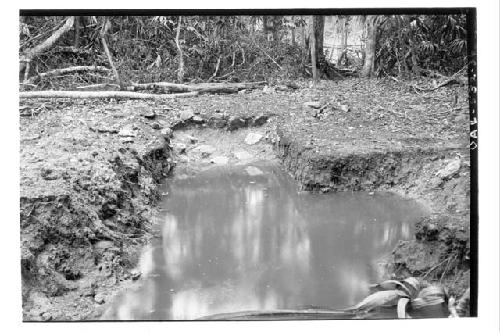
x: 371, y: 45
x: 314, y: 53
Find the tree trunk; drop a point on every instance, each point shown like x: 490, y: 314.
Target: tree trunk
x: 76, y: 40
x: 101, y: 94
x: 344, y: 41
x: 370, y: 48
x: 180, y: 72
x: 314, y: 52
x: 319, y: 29
x: 105, y: 27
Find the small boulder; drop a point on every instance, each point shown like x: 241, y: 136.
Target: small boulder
x: 166, y: 133
x: 197, y: 120
x: 253, y: 138
x: 450, y: 170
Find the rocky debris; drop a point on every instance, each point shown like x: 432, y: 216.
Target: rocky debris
x: 450, y: 170
x: 253, y: 138
x: 220, y: 160
x: 103, y: 128
x: 253, y: 171
x: 205, y: 150
x: 217, y: 121
x: 242, y: 155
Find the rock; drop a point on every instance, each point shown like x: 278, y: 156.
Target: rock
x: 344, y: 108
x: 49, y: 174
x: 104, y: 244
x: 99, y: 299
x: 186, y: 114
x: 242, y: 155
x: 449, y: 170
x: 197, y: 120
x: 127, y: 140
x: 220, y: 160
x: 148, y: 114
x: 135, y: 274
x: 205, y: 150
x: 253, y: 138
x: 166, y: 133
x: 236, y: 123
x: 127, y: 131
x: 314, y: 105
x: 253, y: 171
x: 156, y: 126
x: 260, y: 120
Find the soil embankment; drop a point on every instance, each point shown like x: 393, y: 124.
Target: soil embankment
x: 90, y: 170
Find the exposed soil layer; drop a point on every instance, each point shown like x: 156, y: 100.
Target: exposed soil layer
x: 90, y: 170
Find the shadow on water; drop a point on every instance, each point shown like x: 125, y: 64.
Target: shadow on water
x: 243, y: 239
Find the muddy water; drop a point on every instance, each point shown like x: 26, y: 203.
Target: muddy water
x: 238, y: 239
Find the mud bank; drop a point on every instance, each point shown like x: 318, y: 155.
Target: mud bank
x: 437, y: 177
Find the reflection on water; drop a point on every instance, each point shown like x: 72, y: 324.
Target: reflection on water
x: 235, y: 240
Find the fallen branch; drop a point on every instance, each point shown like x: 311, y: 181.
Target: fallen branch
x: 28, y: 55
x: 67, y: 70
x: 99, y: 86
x: 202, y: 88
x: 101, y: 94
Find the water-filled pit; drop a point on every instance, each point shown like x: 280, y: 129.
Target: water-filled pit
x: 244, y: 239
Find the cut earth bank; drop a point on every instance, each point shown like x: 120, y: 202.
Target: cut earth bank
x: 90, y: 172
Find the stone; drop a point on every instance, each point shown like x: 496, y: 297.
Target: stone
x: 253, y: 171
x: 197, y: 120
x: 127, y: 131
x: 344, y: 108
x: 99, y: 299
x: 103, y: 244
x: 242, y: 155
x: 148, y: 114
x: 220, y: 160
x: 235, y: 123
x: 186, y: 114
x: 260, y: 120
x: 49, y: 174
x: 449, y: 170
x: 314, y: 105
x: 156, y: 126
x: 166, y: 133
x: 253, y: 138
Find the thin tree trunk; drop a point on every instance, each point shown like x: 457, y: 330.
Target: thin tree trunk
x: 101, y: 94
x: 76, y: 41
x: 180, y: 73
x: 105, y: 27
x: 314, y: 54
x: 371, y: 43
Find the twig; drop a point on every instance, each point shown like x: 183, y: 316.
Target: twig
x: 263, y: 51
x: 216, y: 70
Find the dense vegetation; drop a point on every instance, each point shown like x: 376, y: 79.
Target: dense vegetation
x: 233, y: 48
